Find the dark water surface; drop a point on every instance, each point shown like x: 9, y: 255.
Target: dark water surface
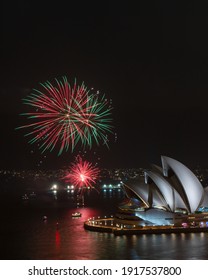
x: 24, y: 234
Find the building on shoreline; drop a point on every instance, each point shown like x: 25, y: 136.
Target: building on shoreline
x: 168, y: 195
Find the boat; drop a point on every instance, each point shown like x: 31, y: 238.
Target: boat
x: 32, y: 195
x: 25, y: 197
x: 76, y: 214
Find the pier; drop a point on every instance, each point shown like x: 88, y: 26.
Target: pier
x: 125, y: 227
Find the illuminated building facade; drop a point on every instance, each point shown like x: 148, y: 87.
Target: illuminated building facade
x: 170, y: 194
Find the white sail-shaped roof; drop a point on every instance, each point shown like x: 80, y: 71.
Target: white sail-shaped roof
x: 179, y: 203
x: 189, y: 182
x: 149, y: 194
x: 158, y: 200
x: 181, y: 189
x: 139, y: 189
x: 164, y: 187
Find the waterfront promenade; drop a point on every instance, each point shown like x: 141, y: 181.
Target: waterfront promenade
x: 126, y: 227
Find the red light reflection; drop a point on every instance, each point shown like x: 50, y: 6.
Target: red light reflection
x: 58, y: 239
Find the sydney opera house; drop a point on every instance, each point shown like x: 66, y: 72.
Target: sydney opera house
x: 170, y: 194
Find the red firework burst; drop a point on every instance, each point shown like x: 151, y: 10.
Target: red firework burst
x: 82, y: 174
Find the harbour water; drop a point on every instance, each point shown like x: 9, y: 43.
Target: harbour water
x: 25, y: 235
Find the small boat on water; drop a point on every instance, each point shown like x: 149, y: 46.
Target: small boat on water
x: 25, y: 197
x: 76, y: 214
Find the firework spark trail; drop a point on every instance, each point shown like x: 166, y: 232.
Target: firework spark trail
x: 65, y: 116
x: 82, y: 174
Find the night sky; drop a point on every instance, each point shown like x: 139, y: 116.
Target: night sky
x: 151, y: 59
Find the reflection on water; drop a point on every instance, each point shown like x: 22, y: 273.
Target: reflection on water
x: 25, y: 235
x: 58, y: 240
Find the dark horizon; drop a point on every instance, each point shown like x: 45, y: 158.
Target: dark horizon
x: 150, y: 60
